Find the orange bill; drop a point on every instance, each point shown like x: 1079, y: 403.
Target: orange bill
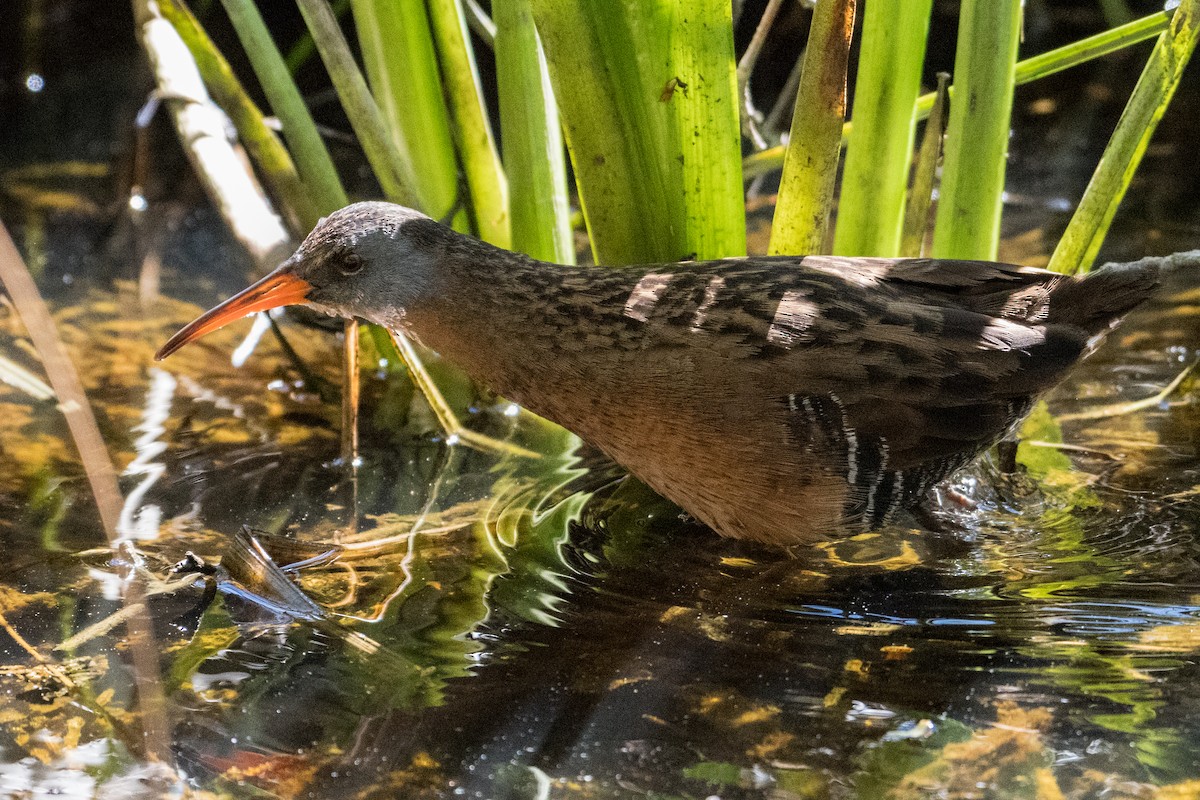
x: 281, y: 288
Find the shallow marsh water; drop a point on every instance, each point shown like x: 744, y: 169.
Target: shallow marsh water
x: 547, y: 630
x: 504, y: 628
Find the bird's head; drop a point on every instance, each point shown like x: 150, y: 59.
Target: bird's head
x: 369, y: 260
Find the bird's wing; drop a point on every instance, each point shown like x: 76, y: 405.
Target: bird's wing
x: 889, y: 372
x: 896, y: 371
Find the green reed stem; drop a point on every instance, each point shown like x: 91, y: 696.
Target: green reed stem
x: 648, y: 98
x: 811, y: 159
x: 706, y: 127
x: 533, y: 146
x: 871, y: 204
x: 405, y: 81
x: 392, y: 167
x: 972, y: 188
x: 304, y: 47
x: 1029, y: 70
x: 312, y: 158
x: 486, y: 182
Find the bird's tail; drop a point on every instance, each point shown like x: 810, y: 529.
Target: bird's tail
x: 1097, y: 301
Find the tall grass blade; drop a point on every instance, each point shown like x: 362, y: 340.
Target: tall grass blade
x: 312, y: 158
x: 304, y: 48
x: 1100, y: 44
x: 406, y: 82
x: 871, y: 204
x: 262, y: 144
x: 486, y: 182
x: 648, y: 95
x: 920, y: 196
x: 392, y: 167
x: 599, y: 87
x: 811, y: 159
x: 1085, y: 233
x: 534, y: 157
x: 480, y: 23
x: 972, y: 188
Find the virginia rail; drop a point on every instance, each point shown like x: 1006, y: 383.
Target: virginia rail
x: 785, y: 400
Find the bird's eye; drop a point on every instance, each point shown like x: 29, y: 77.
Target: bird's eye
x: 350, y: 263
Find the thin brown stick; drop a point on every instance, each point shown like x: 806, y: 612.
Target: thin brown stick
x: 156, y: 731
x: 73, y: 402
x: 350, y: 402
x: 23, y: 643
x: 745, y: 67
x: 750, y: 57
x: 1117, y: 409
x: 54, y: 668
x: 350, y: 392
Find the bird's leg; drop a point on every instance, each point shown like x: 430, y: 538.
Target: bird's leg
x: 455, y: 431
x: 1006, y: 456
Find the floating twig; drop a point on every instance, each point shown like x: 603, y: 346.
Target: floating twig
x: 64, y: 380
x: 1117, y: 409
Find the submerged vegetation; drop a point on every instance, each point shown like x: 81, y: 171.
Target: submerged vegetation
x: 487, y: 610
